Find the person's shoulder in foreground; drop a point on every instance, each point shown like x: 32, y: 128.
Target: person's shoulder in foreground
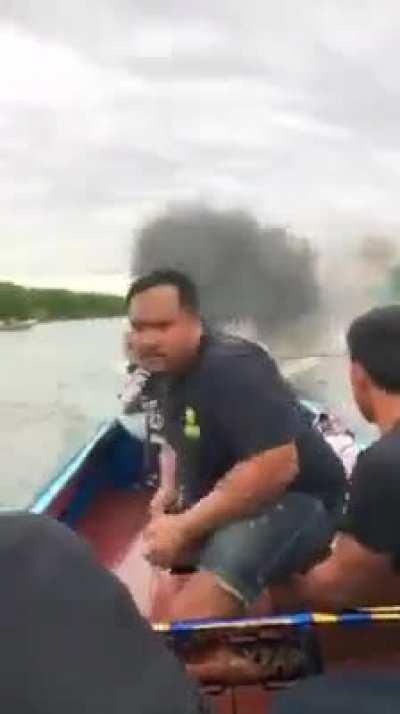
x: 371, y: 692
x: 72, y: 638
x: 362, y: 566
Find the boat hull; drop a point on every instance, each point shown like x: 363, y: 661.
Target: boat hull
x: 103, y: 494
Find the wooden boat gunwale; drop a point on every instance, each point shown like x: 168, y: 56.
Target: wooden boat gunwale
x: 68, y: 472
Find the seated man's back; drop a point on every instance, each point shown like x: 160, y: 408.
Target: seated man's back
x: 363, y: 568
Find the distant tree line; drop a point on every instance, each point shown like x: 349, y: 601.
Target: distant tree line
x: 395, y: 282
x: 21, y: 303
x: 245, y: 270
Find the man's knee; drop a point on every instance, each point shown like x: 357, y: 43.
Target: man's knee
x: 205, y: 595
x: 233, y: 555
x: 250, y: 554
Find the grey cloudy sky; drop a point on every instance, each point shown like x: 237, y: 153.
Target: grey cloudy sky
x: 110, y: 109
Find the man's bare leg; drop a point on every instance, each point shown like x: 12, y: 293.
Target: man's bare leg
x: 203, y: 596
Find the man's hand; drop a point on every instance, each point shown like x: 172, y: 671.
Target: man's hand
x: 165, y: 540
x: 163, y: 500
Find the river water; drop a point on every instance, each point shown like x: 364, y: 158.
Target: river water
x: 58, y: 381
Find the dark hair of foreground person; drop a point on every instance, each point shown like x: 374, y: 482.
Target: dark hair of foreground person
x: 72, y: 640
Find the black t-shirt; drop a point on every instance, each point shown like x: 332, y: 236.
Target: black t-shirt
x: 374, y: 508
x: 233, y: 404
x: 146, y: 394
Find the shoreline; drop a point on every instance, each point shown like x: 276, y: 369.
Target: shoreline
x: 50, y: 321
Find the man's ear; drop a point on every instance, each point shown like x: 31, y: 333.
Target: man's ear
x: 359, y: 377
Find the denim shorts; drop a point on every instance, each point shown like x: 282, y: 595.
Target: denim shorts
x: 286, y: 537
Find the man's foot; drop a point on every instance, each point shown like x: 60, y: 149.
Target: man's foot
x: 260, y: 662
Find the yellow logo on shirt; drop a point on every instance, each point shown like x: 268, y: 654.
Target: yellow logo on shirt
x: 191, y: 428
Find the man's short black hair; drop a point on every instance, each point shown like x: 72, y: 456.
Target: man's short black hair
x: 186, y: 288
x: 374, y: 342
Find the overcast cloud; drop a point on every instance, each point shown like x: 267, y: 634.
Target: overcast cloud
x: 110, y: 109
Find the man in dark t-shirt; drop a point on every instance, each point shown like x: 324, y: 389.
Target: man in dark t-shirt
x: 234, y: 394
x: 363, y: 567
x: 258, y: 492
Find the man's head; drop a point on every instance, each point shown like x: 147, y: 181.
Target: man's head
x: 166, y: 327
x: 374, y: 345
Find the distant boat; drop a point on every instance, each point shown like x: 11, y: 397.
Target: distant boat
x: 16, y: 325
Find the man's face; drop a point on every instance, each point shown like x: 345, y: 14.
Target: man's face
x: 164, y: 335
x: 362, y: 390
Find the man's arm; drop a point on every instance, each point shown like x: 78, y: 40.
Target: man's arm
x: 253, y: 414
x: 360, y: 570
x: 352, y: 576
x: 243, y: 490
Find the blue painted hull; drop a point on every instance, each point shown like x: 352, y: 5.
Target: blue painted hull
x: 111, y: 458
